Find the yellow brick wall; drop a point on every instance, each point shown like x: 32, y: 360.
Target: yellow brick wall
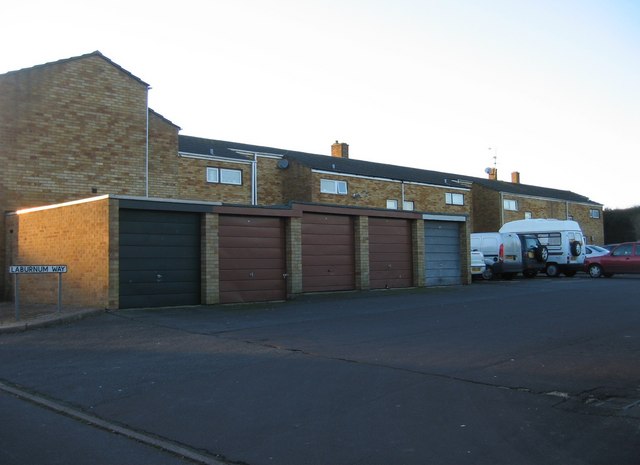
x: 76, y: 236
x: 372, y: 193
x: 69, y: 130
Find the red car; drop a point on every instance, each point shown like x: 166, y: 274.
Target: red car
x: 624, y: 258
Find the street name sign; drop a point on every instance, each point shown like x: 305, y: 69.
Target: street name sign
x: 34, y: 269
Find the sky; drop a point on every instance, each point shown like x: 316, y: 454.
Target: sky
x: 550, y: 88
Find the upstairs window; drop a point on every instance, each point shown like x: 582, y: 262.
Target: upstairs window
x: 408, y: 205
x: 453, y: 199
x: 224, y: 176
x: 594, y: 213
x: 510, y: 205
x: 392, y: 204
x: 330, y: 186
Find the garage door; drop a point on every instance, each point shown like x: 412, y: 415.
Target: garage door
x: 159, y: 258
x: 442, y: 253
x: 390, y: 258
x: 252, y: 259
x: 328, y: 254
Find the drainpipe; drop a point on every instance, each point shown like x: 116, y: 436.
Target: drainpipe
x: 254, y: 180
x: 501, y: 209
x: 402, y: 184
x: 146, y: 149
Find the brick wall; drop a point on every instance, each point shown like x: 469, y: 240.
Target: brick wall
x: 70, y: 130
x: 372, y: 193
x: 486, y: 209
x: 76, y: 236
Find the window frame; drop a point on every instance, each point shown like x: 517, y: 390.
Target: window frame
x: 506, y: 205
x: 450, y: 198
x: 393, y: 203
x: 594, y: 213
x: 337, y: 184
x: 409, y: 203
x: 220, y: 178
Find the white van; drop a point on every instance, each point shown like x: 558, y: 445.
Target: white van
x: 563, y: 238
x: 507, y: 254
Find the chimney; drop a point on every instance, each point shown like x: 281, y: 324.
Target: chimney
x: 340, y: 150
x: 515, y: 177
x: 493, y: 173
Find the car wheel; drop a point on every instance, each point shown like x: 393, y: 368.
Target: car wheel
x: 530, y: 273
x: 595, y: 270
x: 487, y: 273
x: 570, y: 274
x: 508, y: 276
x: 552, y: 270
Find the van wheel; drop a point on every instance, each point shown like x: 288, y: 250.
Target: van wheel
x: 487, y: 273
x: 508, y: 276
x: 570, y: 274
x: 595, y: 270
x: 542, y: 253
x: 576, y: 248
x: 552, y: 270
x: 530, y: 273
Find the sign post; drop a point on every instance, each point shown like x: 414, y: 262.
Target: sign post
x: 17, y: 270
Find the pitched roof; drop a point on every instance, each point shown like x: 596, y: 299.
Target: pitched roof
x: 226, y: 149
x: 80, y: 57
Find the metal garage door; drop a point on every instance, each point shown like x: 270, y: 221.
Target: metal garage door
x: 390, y: 258
x: 328, y: 254
x: 442, y: 253
x: 159, y: 258
x: 252, y: 259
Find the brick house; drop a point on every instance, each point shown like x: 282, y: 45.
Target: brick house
x: 497, y: 202
x: 81, y: 127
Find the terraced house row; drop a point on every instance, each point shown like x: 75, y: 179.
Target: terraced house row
x: 144, y: 216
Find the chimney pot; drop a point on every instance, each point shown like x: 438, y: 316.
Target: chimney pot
x: 340, y: 150
x: 493, y: 174
x: 515, y: 177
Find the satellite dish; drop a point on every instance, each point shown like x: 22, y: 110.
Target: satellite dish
x: 283, y: 164
x: 487, y: 170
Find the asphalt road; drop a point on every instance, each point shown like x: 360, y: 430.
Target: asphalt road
x: 542, y: 371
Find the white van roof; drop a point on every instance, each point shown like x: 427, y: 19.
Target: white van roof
x: 540, y: 225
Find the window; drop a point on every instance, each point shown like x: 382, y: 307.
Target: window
x: 527, y: 215
x: 392, y: 204
x: 330, y: 186
x: 623, y: 250
x: 510, y: 205
x: 552, y: 239
x: 408, y: 205
x: 453, y: 199
x: 594, y: 213
x: 224, y: 176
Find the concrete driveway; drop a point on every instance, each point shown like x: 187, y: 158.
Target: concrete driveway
x: 528, y: 371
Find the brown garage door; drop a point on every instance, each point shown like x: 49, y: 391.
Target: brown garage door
x: 252, y: 259
x: 390, y: 259
x: 328, y: 257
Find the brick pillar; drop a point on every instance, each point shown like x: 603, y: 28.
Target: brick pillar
x: 209, y: 259
x: 417, y: 239
x: 361, y: 226
x: 294, y: 256
x: 114, y: 254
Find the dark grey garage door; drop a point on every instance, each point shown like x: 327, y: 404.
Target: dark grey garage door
x: 442, y: 253
x: 159, y: 258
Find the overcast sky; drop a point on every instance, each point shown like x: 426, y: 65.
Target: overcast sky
x: 550, y: 86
